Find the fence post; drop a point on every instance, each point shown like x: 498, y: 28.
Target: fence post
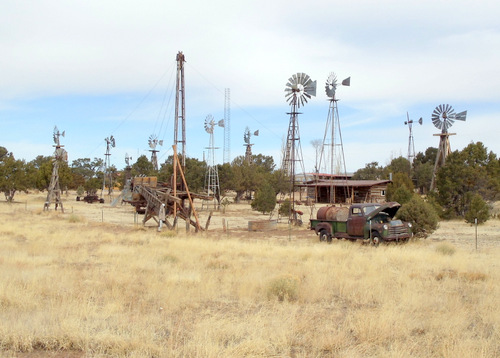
x: 475, y: 223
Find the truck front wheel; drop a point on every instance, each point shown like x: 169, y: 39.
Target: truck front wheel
x: 376, y: 239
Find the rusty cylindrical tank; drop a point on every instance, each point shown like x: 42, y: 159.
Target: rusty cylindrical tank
x: 334, y: 213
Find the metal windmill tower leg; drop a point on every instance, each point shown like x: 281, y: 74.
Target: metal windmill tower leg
x: 154, y: 159
x: 411, y: 141
x: 212, y: 175
x: 411, y: 145
x: 293, y: 155
x: 108, y: 175
x: 336, y: 156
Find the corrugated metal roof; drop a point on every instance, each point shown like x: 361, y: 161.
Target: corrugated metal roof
x: 341, y: 183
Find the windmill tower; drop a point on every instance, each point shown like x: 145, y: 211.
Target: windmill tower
x: 153, y: 142
x: 334, y: 157
x: 246, y: 138
x: 443, y: 118
x: 108, y: 176
x: 54, y: 191
x: 128, y: 168
x: 180, y: 108
x: 299, y: 89
x: 227, y: 126
x: 212, y: 176
x: 411, y: 142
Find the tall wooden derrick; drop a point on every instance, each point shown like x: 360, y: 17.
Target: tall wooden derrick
x: 180, y: 108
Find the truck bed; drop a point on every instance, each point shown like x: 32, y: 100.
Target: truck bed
x: 337, y: 226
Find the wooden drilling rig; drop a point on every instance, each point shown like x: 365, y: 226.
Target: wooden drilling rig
x: 161, y: 201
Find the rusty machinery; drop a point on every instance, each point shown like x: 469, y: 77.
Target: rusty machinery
x: 161, y: 201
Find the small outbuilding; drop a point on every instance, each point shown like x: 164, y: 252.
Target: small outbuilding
x: 338, y: 191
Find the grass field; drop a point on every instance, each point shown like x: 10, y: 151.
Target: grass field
x: 71, y: 286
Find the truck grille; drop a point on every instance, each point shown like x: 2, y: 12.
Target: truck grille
x: 398, y: 230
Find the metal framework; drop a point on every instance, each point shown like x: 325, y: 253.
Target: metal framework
x: 299, y: 89
x: 411, y: 141
x: 110, y: 142
x: 180, y: 108
x: 333, y: 137
x: 54, y: 190
x: 153, y: 142
x: 293, y: 152
x: 227, y: 126
x: 212, y: 176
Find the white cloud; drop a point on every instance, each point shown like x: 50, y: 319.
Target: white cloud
x: 401, y: 57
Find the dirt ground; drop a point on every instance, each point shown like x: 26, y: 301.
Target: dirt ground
x: 234, y: 221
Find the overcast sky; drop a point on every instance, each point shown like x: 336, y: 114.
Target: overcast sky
x: 101, y: 68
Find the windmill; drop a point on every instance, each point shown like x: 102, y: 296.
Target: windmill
x: 110, y: 143
x: 212, y: 176
x: 127, y: 160
x: 443, y: 118
x: 298, y: 90
x: 246, y: 138
x: 153, y: 142
x: 333, y: 136
x: 411, y: 143
x: 60, y: 155
x: 128, y: 168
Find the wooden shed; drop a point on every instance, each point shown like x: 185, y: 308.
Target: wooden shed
x: 346, y: 191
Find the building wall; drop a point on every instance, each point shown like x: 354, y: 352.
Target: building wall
x: 362, y: 194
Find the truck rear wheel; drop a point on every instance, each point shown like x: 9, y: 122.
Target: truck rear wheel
x: 323, y: 236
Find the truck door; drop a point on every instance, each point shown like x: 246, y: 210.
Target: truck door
x: 355, y: 222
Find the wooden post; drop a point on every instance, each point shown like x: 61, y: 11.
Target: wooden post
x: 475, y: 224
x: 198, y: 227
x: 175, y: 182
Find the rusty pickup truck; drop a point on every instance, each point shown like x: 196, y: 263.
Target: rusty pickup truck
x: 371, y: 222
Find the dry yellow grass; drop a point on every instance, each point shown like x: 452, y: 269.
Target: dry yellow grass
x: 71, y: 285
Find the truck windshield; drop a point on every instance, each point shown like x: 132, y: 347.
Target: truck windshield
x: 369, y: 209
